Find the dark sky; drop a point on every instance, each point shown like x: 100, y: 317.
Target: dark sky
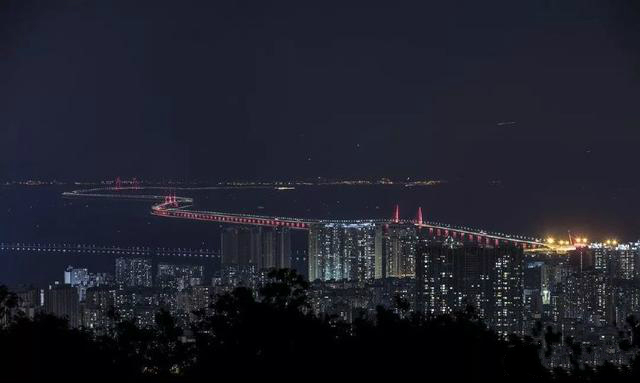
x: 241, y: 89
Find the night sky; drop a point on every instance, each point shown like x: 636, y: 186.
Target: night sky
x: 256, y: 89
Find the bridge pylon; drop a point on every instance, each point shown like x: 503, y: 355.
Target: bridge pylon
x: 171, y: 199
x: 396, y: 215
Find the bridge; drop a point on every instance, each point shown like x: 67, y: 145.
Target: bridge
x: 30, y: 248
x: 172, y: 206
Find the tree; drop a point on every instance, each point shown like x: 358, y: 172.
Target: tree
x: 286, y: 290
x: 45, y: 349
x: 8, y: 302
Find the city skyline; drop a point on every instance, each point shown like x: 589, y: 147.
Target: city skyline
x: 326, y: 191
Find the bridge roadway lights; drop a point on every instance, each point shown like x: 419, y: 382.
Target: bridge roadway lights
x: 171, y: 208
x: 482, y: 238
x: 231, y: 219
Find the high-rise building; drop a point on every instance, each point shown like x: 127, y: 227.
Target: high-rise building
x: 400, y: 241
x: 261, y: 247
x: 229, y: 245
x: 179, y: 277
x: 249, y: 250
x: 62, y: 301
x: 625, y: 262
x: 506, y: 275
x: 380, y: 252
x: 99, y: 308
x: 606, y: 293
x: 276, y: 248
x: 581, y: 259
x: 342, y: 251
x: 76, y: 276
x: 451, y: 276
x: 535, y: 288
x: 134, y: 272
x: 601, y: 255
x: 202, y: 297
x: 241, y: 245
x: 82, y: 279
x: 587, y: 297
x: 300, y: 262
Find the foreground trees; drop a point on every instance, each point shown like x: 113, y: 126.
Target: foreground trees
x: 275, y: 337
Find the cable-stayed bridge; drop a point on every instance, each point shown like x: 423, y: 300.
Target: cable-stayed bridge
x: 169, y: 205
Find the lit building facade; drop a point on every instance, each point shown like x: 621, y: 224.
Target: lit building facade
x: 342, y: 251
x: 451, y: 276
x: 134, y: 272
x: 399, y: 250
x: 179, y: 277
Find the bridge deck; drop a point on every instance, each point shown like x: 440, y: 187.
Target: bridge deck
x: 180, y: 207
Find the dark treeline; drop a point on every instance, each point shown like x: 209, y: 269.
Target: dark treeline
x: 275, y: 337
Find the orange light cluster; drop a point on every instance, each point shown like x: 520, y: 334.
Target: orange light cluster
x: 580, y: 241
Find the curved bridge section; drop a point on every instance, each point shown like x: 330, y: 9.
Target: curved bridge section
x: 172, y: 206
x: 174, y: 209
